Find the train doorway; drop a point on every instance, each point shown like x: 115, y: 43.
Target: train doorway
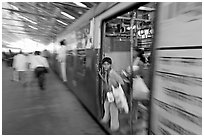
x: 121, y: 36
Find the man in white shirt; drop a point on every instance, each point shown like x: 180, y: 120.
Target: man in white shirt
x: 20, y: 66
x: 39, y: 61
x: 61, y: 57
x: 41, y: 66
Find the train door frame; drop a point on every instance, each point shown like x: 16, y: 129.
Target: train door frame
x: 152, y: 65
x: 100, y: 81
x: 102, y: 28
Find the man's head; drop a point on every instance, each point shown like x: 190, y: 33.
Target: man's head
x: 63, y: 42
x: 138, y: 52
x: 107, y: 62
x: 37, y: 53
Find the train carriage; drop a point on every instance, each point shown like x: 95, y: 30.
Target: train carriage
x: 114, y: 29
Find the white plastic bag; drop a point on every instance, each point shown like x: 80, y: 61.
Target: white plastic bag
x: 120, y: 98
x: 140, y: 90
x: 134, y: 68
x: 110, y: 96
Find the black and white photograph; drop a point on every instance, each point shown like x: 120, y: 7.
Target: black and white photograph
x: 101, y: 68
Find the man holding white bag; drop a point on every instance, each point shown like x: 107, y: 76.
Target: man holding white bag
x: 140, y: 90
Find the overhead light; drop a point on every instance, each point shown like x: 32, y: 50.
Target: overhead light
x: 80, y: 12
x: 27, y: 19
x: 67, y: 15
x: 146, y: 8
x: 62, y: 22
x: 133, y: 27
x: 16, y: 8
x: 80, y: 4
x: 32, y: 27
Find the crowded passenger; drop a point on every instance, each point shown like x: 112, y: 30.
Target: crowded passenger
x: 111, y: 78
x: 137, y: 74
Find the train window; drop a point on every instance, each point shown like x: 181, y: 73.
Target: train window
x: 82, y: 37
x: 116, y: 40
x: 70, y: 59
x: 81, y: 63
x: 117, y: 30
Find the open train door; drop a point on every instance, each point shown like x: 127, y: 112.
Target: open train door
x: 121, y: 33
x: 176, y: 101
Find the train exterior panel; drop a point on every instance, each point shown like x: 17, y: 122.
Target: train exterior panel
x: 177, y: 77
x: 81, y: 77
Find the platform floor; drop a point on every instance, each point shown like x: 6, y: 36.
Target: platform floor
x: 54, y: 111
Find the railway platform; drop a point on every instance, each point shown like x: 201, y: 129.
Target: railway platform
x: 27, y: 110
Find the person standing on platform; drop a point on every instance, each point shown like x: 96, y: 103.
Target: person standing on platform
x: 31, y: 68
x: 20, y: 67
x: 46, y: 54
x: 111, y: 79
x: 10, y: 58
x: 61, y: 57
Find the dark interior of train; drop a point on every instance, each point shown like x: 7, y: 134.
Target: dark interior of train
x: 119, y: 27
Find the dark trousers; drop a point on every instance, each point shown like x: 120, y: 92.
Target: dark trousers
x: 40, y: 75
